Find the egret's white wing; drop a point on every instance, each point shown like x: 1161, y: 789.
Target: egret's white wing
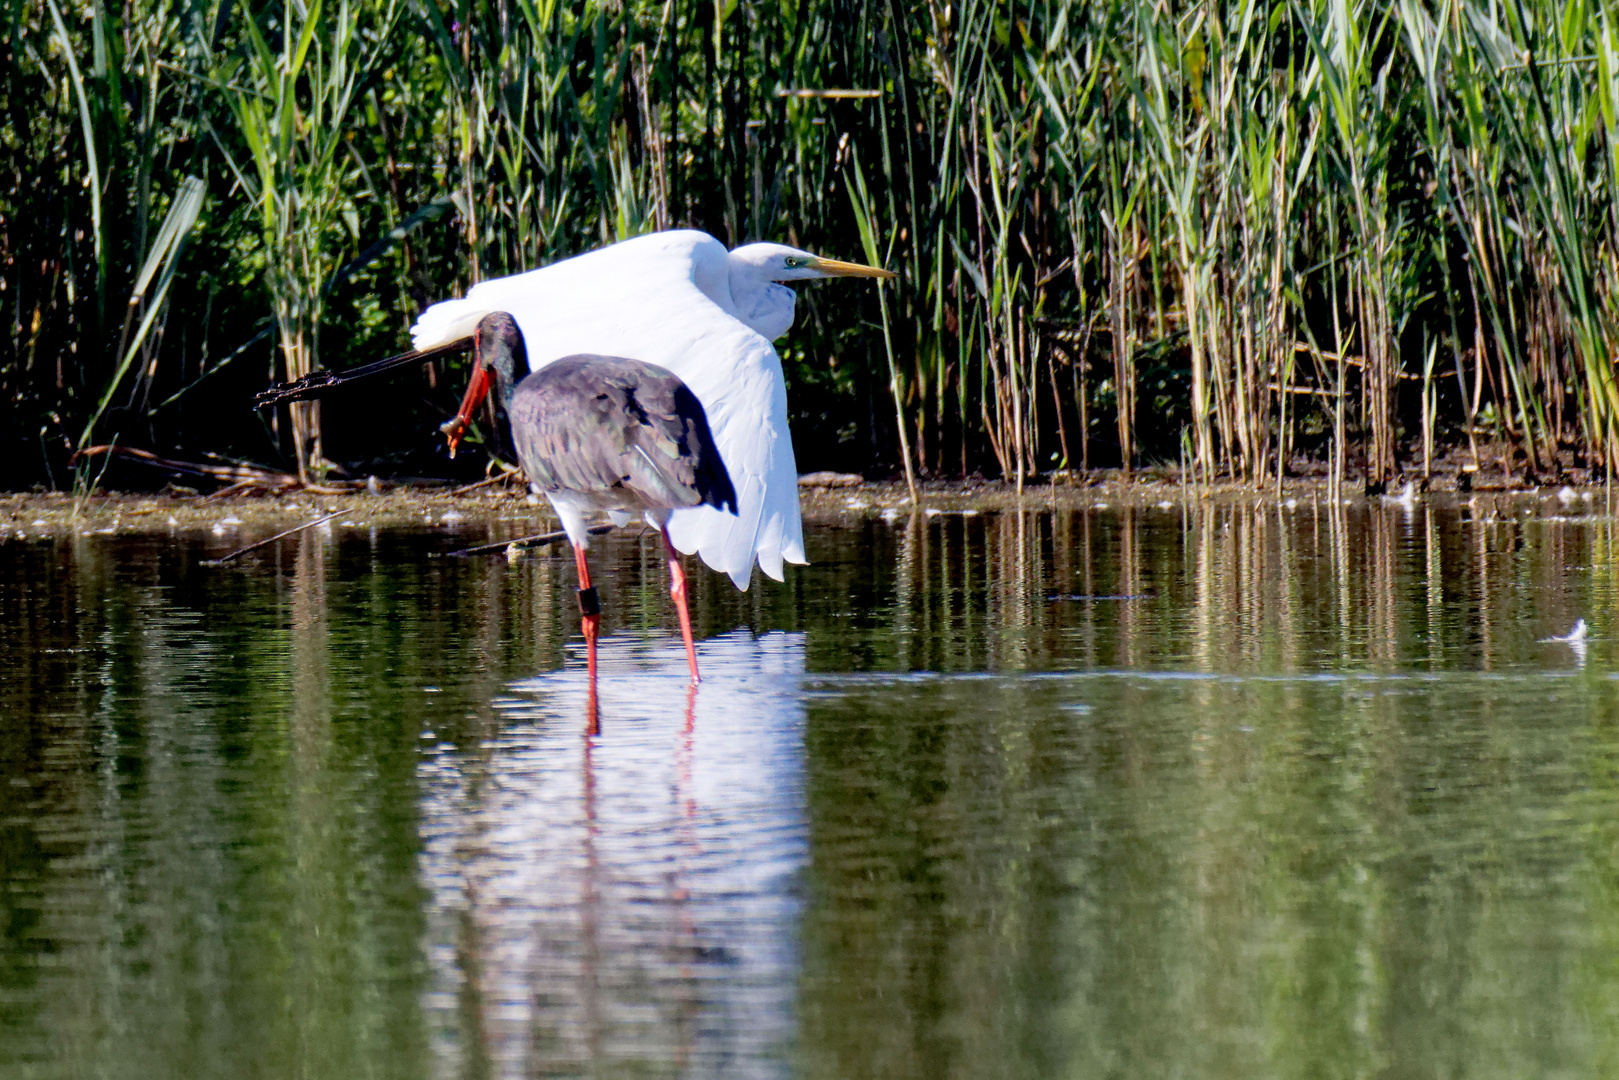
x: 651, y: 299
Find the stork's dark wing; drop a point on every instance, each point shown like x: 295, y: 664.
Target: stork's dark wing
x: 591, y: 423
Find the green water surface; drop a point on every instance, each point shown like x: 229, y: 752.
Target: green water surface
x: 1242, y: 791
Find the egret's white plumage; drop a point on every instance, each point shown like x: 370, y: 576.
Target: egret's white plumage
x: 682, y: 301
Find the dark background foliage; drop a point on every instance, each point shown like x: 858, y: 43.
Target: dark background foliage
x: 1239, y: 235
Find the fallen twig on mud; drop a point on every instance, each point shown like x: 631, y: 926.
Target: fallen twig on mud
x: 238, y: 479
x: 231, y: 489
x: 235, y: 475
x: 485, y: 482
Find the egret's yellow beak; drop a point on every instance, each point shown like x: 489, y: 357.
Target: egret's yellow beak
x: 834, y: 268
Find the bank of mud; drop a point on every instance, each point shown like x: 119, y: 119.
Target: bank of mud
x: 494, y: 513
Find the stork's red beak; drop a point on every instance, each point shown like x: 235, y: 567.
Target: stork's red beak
x: 477, y: 390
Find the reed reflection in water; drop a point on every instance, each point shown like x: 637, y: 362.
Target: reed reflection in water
x: 1229, y: 790
x: 1221, y: 587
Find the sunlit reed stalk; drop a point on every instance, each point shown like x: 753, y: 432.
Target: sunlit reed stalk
x: 861, y: 203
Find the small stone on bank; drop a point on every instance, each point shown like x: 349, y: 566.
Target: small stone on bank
x: 830, y: 480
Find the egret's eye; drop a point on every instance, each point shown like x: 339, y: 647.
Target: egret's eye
x: 794, y: 262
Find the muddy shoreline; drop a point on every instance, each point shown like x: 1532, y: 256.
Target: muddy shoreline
x: 499, y: 513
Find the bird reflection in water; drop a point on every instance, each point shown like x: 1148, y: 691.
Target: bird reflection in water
x: 623, y: 905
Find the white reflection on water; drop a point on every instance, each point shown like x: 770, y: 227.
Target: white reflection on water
x: 627, y: 900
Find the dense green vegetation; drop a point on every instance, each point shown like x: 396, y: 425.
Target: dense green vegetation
x: 1220, y: 232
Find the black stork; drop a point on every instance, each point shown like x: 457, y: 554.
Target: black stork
x: 600, y: 434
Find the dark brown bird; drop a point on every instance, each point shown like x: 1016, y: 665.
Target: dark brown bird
x: 601, y: 434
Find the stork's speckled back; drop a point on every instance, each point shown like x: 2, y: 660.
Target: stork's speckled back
x: 603, y: 425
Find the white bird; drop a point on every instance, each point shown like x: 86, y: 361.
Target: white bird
x: 1406, y: 499
x: 1575, y: 636
x: 1576, y: 640
x: 681, y: 301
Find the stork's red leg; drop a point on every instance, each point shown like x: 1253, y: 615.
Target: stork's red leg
x: 589, y: 611
x: 677, y: 591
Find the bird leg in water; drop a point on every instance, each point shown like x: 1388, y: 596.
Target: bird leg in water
x: 677, y: 591
x: 589, y: 611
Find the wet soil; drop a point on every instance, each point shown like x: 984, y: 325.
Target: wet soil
x: 506, y: 511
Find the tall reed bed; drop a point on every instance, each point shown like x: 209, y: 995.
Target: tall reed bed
x: 1225, y: 233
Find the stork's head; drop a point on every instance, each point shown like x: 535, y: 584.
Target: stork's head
x: 499, y: 357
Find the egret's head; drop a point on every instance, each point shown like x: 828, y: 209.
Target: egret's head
x: 499, y: 358
x: 778, y: 262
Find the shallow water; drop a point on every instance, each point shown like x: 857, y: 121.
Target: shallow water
x: 1232, y: 792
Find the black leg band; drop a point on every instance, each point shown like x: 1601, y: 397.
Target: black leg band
x: 589, y: 603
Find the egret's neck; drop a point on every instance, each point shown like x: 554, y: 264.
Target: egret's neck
x: 764, y: 306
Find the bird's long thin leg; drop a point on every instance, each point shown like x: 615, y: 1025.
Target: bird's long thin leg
x: 589, y: 611
x: 677, y: 591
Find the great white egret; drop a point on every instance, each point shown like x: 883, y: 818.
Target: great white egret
x: 601, y: 434
x: 681, y: 301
